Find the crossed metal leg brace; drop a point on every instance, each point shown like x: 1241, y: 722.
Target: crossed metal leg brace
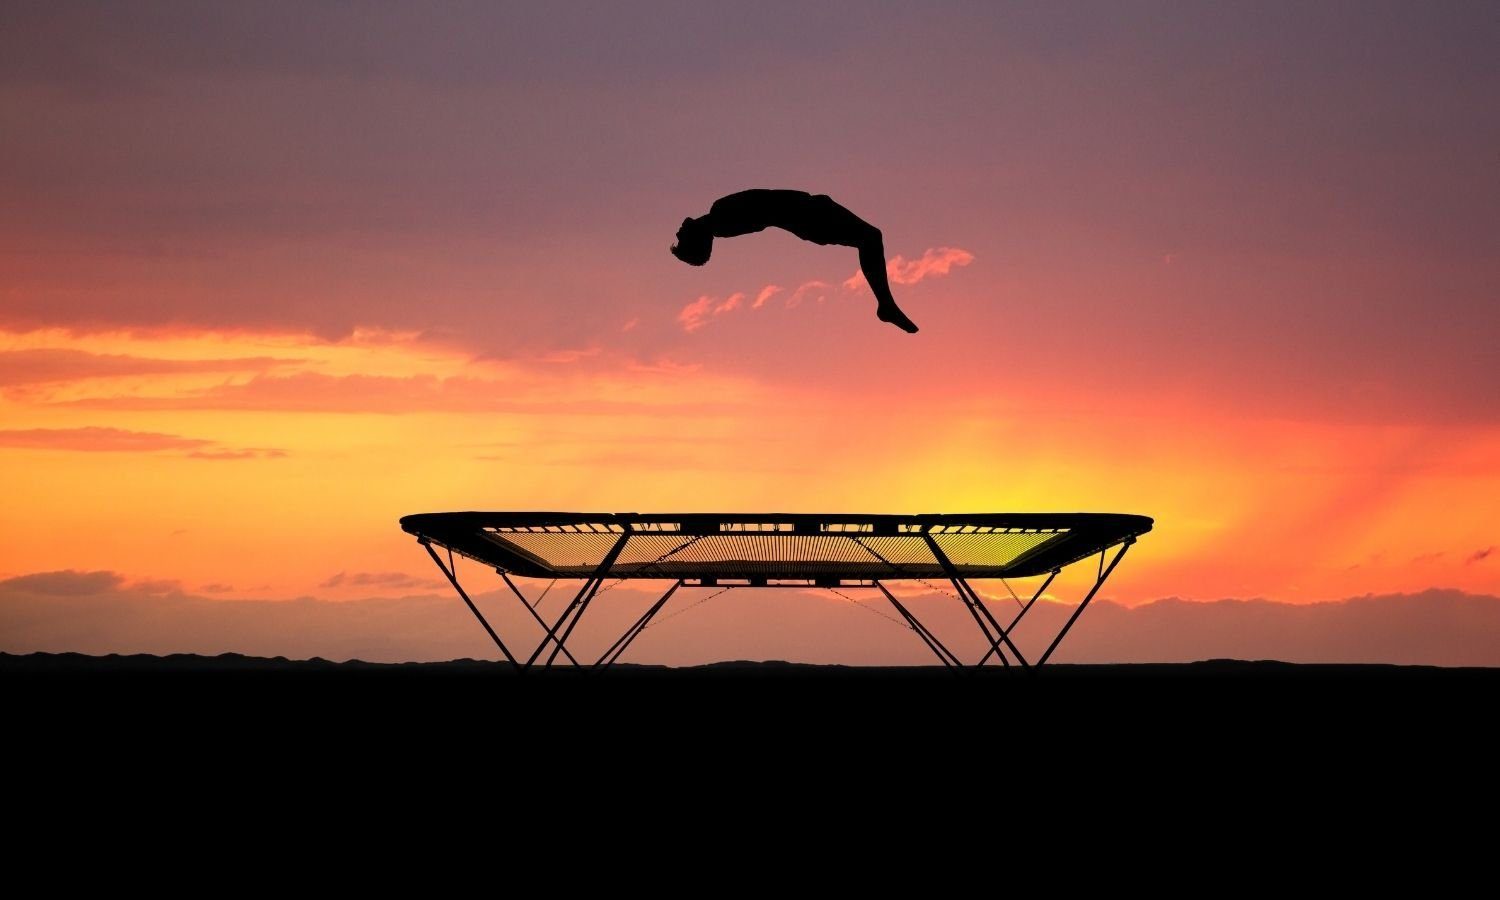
x: 996, y: 636
x: 557, y: 634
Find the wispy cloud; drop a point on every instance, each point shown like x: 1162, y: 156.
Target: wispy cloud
x: 818, y: 289
x: 766, y: 293
x: 695, y: 315
x: 935, y: 262
x: 664, y: 366
x: 1479, y: 555
x: 49, y: 365
x: 398, y: 580
x: 313, y: 392
x: 247, y: 453
x: 362, y: 376
x: 64, y: 583
x: 157, y: 586
x: 97, y: 439
x: 571, y: 355
x: 394, y: 619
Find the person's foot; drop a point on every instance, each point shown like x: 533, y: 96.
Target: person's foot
x: 896, y: 317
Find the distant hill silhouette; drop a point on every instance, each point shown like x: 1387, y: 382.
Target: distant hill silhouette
x: 100, y: 612
x: 187, y: 665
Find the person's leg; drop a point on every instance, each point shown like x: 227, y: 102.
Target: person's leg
x: 872, y: 263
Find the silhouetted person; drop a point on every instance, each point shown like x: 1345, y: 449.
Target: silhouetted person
x: 812, y: 217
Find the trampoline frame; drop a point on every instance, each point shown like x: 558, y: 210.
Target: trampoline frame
x: 1098, y: 533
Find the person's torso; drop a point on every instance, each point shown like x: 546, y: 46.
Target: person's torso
x: 759, y: 208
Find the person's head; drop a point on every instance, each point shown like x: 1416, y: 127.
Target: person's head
x: 694, y: 242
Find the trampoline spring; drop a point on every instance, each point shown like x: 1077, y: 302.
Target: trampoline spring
x: 874, y: 612
x: 538, y: 603
x: 692, y: 605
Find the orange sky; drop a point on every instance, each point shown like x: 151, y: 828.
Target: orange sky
x: 272, y: 462
x: 259, y: 300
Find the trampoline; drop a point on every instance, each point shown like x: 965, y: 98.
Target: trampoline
x: 775, y: 550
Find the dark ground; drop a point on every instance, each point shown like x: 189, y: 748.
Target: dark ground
x: 1107, y: 707
x: 1314, y: 747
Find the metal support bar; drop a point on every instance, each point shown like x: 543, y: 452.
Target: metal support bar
x: 560, y: 631
x: 870, y: 550
x: 1017, y: 620
x: 980, y: 605
x: 631, y: 633
x: 962, y: 586
x: 580, y: 603
x: 551, y: 632
x: 453, y: 580
x: 964, y: 598
x: 531, y: 609
x: 933, y: 644
x: 1103, y: 576
x: 656, y: 563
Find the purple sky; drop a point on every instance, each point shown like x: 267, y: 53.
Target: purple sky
x: 1231, y: 265
x: 1322, y: 177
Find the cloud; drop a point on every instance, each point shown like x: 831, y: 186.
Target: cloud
x: 766, y: 293
x: 695, y: 315
x: 65, y: 583
x: 60, y: 612
x: 377, y: 579
x: 157, y: 586
x: 98, y: 612
x: 664, y: 366
x: 52, y: 364
x: 247, y: 453
x: 1435, y: 627
x: 1479, y: 555
x: 400, y: 394
x: 805, y: 290
x: 94, y: 439
x: 935, y: 262
x: 571, y: 356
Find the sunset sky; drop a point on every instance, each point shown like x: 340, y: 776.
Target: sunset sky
x: 273, y: 275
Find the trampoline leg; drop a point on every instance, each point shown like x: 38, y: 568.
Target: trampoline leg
x: 531, y: 609
x: 589, y: 586
x: 1103, y: 576
x: 930, y: 639
x: 580, y: 603
x: 453, y: 580
x: 619, y: 646
x: 1020, y: 615
x: 978, y: 604
x: 970, y: 603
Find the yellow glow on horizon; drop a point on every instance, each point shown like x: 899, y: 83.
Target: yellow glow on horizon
x: 304, y: 472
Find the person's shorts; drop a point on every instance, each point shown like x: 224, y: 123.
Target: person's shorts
x: 826, y: 222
